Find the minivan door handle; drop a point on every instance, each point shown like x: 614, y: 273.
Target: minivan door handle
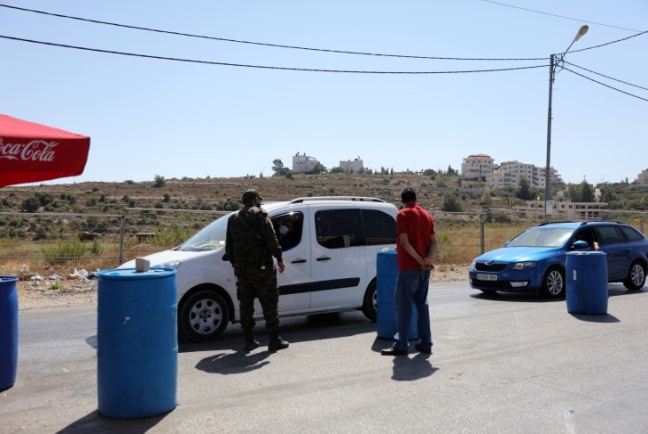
x: 298, y: 261
x: 324, y: 258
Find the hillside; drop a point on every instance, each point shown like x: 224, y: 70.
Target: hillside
x: 218, y: 193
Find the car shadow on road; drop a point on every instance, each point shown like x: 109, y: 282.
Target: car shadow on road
x: 614, y: 290
x: 293, y: 329
x: 515, y: 297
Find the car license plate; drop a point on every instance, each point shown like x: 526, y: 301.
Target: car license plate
x: 486, y: 276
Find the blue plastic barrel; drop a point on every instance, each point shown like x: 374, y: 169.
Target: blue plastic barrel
x: 587, y: 283
x: 386, y: 274
x: 8, y: 331
x: 137, y: 342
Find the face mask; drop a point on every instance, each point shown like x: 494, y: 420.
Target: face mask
x: 283, y: 229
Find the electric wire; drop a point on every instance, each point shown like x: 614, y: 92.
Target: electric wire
x: 265, y: 44
x: 608, y: 43
x: 558, y: 16
x: 294, y: 47
x: 606, y: 85
x: 284, y: 68
x: 606, y: 76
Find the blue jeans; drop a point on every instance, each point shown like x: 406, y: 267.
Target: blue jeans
x: 412, y: 287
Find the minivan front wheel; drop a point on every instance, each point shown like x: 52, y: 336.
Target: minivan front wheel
x: 553, y: 283
x: 203, y: 316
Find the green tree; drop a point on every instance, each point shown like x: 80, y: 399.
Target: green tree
x: 30, y: 204
x: 159, y: 181
x: 319, y: 168
x: 44, y: 198
x: 587, y: 192
x: 451, y: 203
x: 279, y: 169
x: 574, y: 193
x: 525, y: 192
x: 608, y: 195
x: 486, y: 197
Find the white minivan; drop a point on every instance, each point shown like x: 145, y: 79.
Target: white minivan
x: 330, y: 247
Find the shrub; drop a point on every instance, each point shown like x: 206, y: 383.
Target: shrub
x: 67, y: 250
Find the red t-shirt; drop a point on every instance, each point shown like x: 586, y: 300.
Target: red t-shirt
x: 419, y: 227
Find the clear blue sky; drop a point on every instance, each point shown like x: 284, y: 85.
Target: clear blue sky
x: 149, y: 117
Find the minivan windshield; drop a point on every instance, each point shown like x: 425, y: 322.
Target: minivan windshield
x: 542, y: 237
x: 211, y: 237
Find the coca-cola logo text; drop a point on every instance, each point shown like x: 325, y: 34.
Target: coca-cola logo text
x: 35, y: 150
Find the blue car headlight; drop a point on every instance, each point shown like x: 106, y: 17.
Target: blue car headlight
x: 523, y: 265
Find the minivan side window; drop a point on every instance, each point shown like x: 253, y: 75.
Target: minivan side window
x: 379, y: 227
x: 339, y: 228
x: 289, y: 229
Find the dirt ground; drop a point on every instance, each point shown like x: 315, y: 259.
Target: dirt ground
x: 70, y: 292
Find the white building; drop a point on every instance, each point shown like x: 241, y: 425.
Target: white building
x: 477, y: 166
x: 510, y: 173
x: 355, y: 166
x: 303, y: 163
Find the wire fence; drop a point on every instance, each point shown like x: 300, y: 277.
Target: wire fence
x: 63, y: 242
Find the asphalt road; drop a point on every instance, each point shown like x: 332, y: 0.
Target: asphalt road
x: 505, y: 364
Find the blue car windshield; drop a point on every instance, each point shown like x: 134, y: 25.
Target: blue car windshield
x: 211, y: 237
x: 542, y: 237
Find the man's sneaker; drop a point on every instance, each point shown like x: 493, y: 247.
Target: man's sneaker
x: 421, y: 349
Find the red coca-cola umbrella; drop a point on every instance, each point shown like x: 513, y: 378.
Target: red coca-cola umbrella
x: 32, y: 152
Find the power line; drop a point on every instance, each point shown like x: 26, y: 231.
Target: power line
x: 264, y: 44
x: 324, y: 50
x: 606, y: 85
x: 608, y: 77
x: 284, y: 68
x: 559, y: 16
x: 609, y: 43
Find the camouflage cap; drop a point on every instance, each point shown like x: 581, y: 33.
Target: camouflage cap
x: 251, y: 194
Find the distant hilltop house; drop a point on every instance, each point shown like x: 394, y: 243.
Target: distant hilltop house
x: 302, y: 163
x: 355, y: 166
x: 506, y: 174
x: 642, y: 179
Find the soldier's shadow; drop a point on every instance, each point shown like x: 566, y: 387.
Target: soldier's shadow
x: 233, y: 363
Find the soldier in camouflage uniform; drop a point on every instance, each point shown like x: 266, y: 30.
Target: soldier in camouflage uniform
x: 250, y: 246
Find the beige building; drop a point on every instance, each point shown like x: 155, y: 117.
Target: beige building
x: 477, y: 166
x: 573, y: 211
x: 352, y: 166
x: 302, y: 163
x: 506, y: 174
x: 510, y: 173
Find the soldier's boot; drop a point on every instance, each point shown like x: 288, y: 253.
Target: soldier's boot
x: 250, y: 342
x: 276, y: 343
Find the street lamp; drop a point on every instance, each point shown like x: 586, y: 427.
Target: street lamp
x: 553, y: 64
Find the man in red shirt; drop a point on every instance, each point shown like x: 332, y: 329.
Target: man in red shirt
x: 416, y: 244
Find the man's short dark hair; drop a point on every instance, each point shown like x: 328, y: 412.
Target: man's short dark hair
x: 408, y: 195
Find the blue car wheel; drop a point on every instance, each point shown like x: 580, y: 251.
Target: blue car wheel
x: 553, y: 283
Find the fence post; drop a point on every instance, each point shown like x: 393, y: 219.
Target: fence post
x: 121, y: 239
x: 482, y: 232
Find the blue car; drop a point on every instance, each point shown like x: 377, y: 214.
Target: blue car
x: 534, y: 261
